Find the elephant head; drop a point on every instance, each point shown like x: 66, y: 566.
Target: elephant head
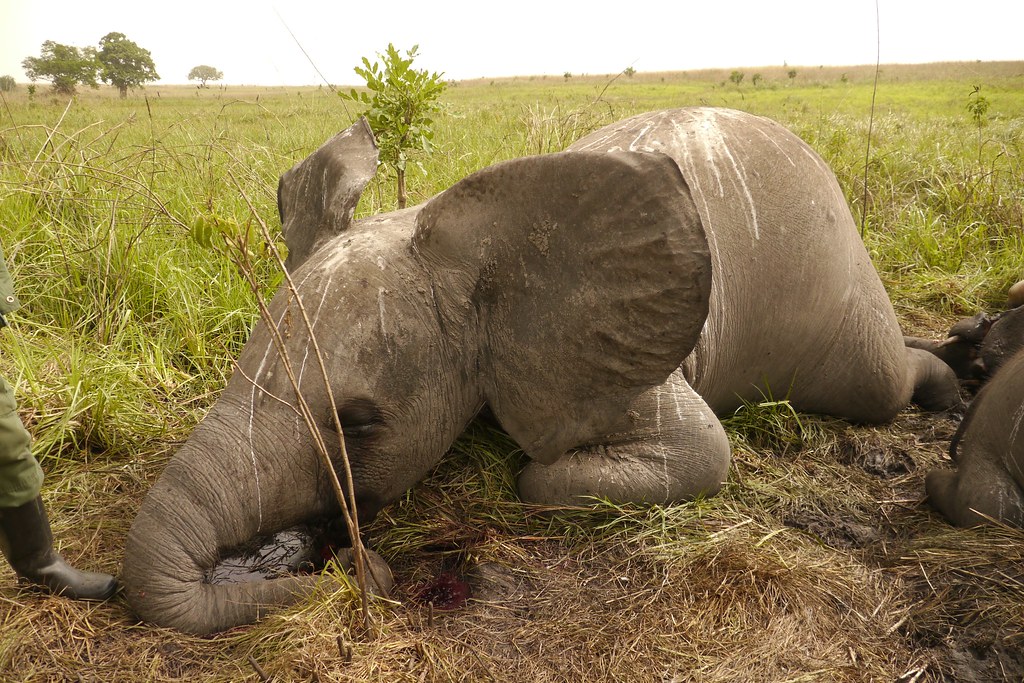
x: 976, y: 347
x: 988, y: 448
x: 1006, y: 335
x: 553, y: 289
x: 961, y: 349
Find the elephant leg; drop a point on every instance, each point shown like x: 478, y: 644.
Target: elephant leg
x: 676, y: 450
x: 958, y: 353
x: 977, y: 490
x: 935, y: 384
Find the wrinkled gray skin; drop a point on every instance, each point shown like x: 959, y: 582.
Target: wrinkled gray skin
x: 1004, y: 339
x: 604, y: 303
x: 961, y: 349
x: 976, y: 347
x: 988, y: 451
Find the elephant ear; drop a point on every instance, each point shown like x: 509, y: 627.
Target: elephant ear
x: 317, y: 197
x: 588, y: 276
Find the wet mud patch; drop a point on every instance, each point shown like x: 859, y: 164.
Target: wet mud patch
x: 876, y: 457
x: 967, y: 660
x: 303, y: 549
x: 833, y: 531
x: 894, y: 453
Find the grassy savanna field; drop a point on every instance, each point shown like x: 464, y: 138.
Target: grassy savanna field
x: 819, y: 560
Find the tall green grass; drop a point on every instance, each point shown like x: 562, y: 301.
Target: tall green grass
x: 111, y: 209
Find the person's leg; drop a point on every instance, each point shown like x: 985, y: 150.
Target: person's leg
x: 25, y: 537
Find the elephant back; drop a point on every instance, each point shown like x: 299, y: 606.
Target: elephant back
x: 797, y: 310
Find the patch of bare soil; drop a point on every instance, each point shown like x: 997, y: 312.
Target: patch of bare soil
x: 964, y: 588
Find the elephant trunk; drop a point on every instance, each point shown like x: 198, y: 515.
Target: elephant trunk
x: 195, y: 512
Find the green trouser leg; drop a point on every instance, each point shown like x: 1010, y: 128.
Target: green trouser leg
x: 20, y: 474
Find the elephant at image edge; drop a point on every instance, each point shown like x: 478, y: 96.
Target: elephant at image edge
x: 988, y: 450
x: 604, y: 303
x: 976, y: 347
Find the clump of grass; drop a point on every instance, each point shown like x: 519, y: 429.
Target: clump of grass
x: 769, y: 425
x: 966, y: 577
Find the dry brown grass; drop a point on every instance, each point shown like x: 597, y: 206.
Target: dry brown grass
x: 819, y: 564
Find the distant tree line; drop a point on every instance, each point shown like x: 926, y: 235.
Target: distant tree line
x: 117, y: 60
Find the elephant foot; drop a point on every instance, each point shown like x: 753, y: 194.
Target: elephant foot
x: 677, y: 451
x: 978, y: 493
x: 379, y: 579
x: 935, y: 384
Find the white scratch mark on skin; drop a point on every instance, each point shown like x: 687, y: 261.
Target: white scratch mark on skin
x: 262, y: 374
x: 261, y: 371
x: 598, y: 142
x: 661, y: 444
x: 774, y: 142
x: 827, y: 171
x: 715, y: 322
x: 383, y: 329
x: 252, y: 458
x: 312, y: 324
x: 677, y: 401
x: 716, y: 149
x: 1018, y: 418
x: 636, y: 141
x: 325, y: 181
x: 707, y: 135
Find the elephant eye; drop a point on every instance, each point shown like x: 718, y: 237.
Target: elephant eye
x: 359, y: 418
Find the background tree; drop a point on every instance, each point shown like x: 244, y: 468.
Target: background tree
x: 65, y: 66
x: 7, y: 83
x: 401, y: 109
x: 204, y: 73
x: 124, y: 64
x: 736, y: 77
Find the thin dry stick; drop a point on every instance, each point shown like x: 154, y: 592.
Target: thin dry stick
x: 871, y: 122
x: 348, y: 512
x: 348, y: 507
x: 54, y: 129
x: 258, y: 669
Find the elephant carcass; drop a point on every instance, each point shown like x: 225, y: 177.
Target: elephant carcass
x: 988, y: 450
x: 604, y: 304
x: 977, y: 346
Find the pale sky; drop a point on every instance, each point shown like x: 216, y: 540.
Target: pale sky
x: 249, y: 41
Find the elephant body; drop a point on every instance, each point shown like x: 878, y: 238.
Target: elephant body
x: 1004, y: 339
x: 976, y: 347
x: 988, y: 450
x: 793, y: 282
x: 605, y: 304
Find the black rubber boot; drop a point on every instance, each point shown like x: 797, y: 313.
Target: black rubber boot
x: 27, y: 543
